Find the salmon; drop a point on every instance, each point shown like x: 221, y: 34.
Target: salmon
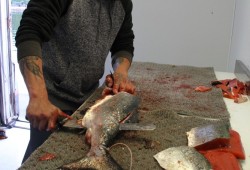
x: 102, y: 122
x: 222, y: 160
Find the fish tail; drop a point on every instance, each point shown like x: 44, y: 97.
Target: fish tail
x: 94, y: 163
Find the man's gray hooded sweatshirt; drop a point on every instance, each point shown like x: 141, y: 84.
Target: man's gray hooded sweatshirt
x: 73, y: 38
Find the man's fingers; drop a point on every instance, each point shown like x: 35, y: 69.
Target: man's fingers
x: 54, y: 117
x: 52, y: 120
x: 115, y: 88
x: 130, y: 88
x: 51, y: 125
x: 106, y: 91
x: 118, y: 83
x: 32, y: 121
x: 122, y: 87
x: 109, y: 81
x: 42, y: 124
x: 62, y: 114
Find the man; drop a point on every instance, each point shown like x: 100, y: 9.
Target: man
x: 62, y: 46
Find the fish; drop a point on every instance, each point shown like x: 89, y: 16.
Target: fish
x: 102, y: 122
x: 182, y: 158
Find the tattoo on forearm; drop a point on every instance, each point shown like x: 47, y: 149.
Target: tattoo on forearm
x: 29, y: 63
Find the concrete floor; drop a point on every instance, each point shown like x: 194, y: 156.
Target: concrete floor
x: 13, y: 148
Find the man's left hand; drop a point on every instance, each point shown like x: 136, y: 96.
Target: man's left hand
x: 118, y: 82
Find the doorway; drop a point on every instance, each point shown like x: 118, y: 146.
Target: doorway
x: 16, y: 10
x: 13, y: 92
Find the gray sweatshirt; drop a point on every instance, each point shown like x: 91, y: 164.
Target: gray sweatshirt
x: 73, y: 39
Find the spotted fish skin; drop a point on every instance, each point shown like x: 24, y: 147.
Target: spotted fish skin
x: 102, y: 122
x: 182, y: 158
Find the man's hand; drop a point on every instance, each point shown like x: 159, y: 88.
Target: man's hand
x: 119, y: 81
x: 42, y: 114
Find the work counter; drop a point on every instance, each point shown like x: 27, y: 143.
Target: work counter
x: 167, y: 93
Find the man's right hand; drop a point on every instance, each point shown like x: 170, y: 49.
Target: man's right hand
x: 42, y: 114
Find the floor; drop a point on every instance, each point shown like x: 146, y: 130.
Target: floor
x: 13, y: 148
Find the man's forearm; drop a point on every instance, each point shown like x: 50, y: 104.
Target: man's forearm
x: 31, y: 69
x: 122, y: 63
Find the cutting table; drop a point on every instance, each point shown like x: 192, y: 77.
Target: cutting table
x: 166, y: 92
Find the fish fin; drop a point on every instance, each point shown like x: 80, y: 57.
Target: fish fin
x: 94, y: 163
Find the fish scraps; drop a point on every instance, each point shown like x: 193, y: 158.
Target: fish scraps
x: 208, y: 137
x: 218, y: 145
x: 232, y: 89
x: 182, y: 157
x: 202, y: 88
x: 47, y: 156
x: 226, y: 157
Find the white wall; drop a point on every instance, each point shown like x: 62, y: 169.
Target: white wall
x: 241, y: 34
x: 184, y: 32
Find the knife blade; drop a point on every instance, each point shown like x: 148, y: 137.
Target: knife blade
x: 137, y: 126
x: 74, y: 123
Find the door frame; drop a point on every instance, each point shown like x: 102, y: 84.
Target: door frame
x: 8, y: 91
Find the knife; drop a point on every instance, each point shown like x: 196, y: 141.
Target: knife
x: 74, y: 123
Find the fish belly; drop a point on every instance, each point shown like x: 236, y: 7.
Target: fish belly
x: 102, y: 119
x: 102, y: 122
